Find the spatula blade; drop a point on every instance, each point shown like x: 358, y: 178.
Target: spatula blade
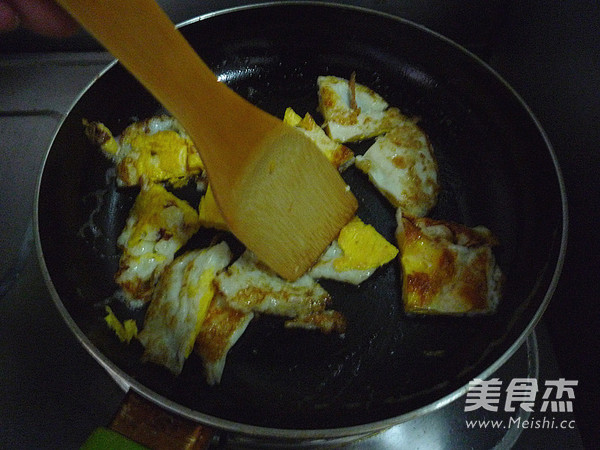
x: 290, y: 205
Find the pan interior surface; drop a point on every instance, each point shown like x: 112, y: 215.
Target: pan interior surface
x: 495, y: 169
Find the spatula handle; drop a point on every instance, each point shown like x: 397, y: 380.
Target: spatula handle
x: 143, y: 38
x: 147, y: 43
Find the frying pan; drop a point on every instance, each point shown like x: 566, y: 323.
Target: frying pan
x: 496, y: 168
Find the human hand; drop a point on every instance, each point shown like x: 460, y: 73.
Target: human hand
x: 44, y: 17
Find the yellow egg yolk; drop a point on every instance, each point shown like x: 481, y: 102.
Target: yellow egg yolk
x: 209, y: 213
x: 125, y: 331
x: 162, y: 155
x: 364, y: 248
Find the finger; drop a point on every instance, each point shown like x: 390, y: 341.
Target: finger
x: 44, y: 17
x: 8, y: 18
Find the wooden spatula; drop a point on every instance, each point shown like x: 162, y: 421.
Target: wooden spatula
x: 277, y: 192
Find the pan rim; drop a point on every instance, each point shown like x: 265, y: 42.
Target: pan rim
x: 127, y: 382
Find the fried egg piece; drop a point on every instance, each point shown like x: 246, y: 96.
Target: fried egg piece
x: 249, y: 286
x: 447, y: 268
x: 402, y: 166
x: 356, y: 254
x: 338, y: 154
x: 352, y: 111
x: 158, y: 225
x: 209, y: 213
x: 328, y: 321
x: 125, y: 331
x: 99, y: 134
x: 156, y: 149
x: 220, y: 330
x: 179, y: 306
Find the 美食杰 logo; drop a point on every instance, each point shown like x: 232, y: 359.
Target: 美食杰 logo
x: 527, y: 394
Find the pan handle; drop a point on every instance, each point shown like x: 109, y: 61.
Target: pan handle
x: 140, y: 423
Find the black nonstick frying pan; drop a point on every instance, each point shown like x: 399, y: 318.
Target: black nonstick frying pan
x: 496, y: 169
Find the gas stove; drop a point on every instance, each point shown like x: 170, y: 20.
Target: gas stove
x: 53, y: 394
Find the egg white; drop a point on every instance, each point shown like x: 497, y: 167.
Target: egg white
x: 179, y: 305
